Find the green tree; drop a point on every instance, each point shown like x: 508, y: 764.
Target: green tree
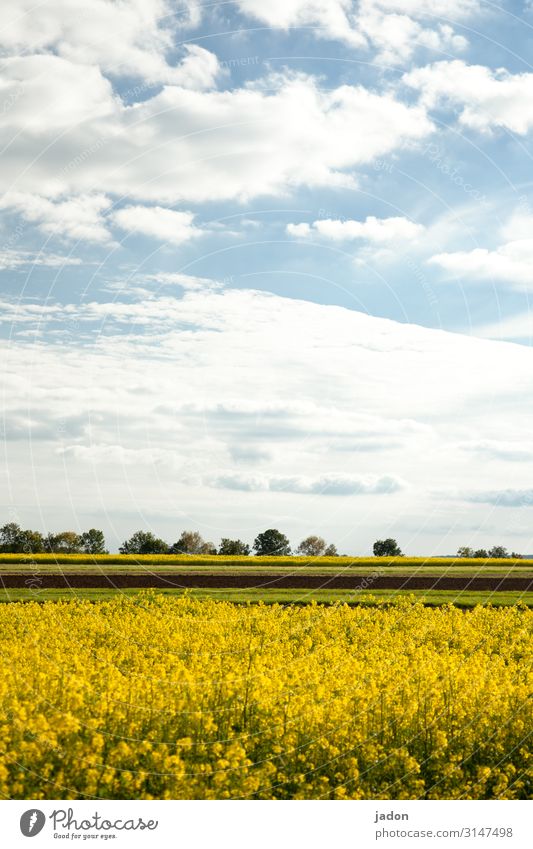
x: 312, y: 546
x: 498, y: 551
x: 191, y: 542
x: 272, y: 543
x: 387, y: 548
x: 481, y: 553
x: 465, y: 551
x: 144, y: 542
x: 93, y: 542
x: 331, y: 551
x: 31, y: 542
x: 9, y: 537
x: 14, y: 540
x: 66, y: 542
x: 233, y: 547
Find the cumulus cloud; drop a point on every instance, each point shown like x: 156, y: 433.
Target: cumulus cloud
x: 392, y: 28
x: 79, y: 217
x: 131, y: 39
x: 167, y: 225
x: 182, y: 145
x: 179, y: 384
x: 503, y: 497
x: 511, y: 263
x: 484, y: 99
x: 375, y: 230
x: 331, y: 484
x: 48, y: 94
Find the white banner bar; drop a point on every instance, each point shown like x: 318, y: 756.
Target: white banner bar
x: 262, y: 825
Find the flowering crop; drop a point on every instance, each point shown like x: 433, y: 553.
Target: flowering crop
x: 292, y: 561
x: 157, y: 697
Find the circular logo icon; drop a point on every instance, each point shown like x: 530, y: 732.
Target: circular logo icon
x: 32, y: 822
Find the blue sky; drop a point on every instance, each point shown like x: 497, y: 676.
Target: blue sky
x: 268, y: 263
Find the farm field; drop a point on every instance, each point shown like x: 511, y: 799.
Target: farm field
x: 86, y: 567
x: 163, y: 697
x: 266, y: 595
x: 283, y: 579
x: 218, y: 563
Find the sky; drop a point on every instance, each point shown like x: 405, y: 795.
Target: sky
x: 268, y: 265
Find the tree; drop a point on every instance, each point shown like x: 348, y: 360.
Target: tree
x: 387, y: 548
x: 312, y: 546
x: 31, y: 542
x: 331, y: 551
x: 93, y: 542
x: 66, y: 542
x: 10, y: 537
x: 144, y: 542
x: 191, y: 542
x: 272, y: 543
x: 14, y: 540
x: 465, y: 551
x: 516, y: 556
x: 233, y: 547
x: 498, y: 551
x: 481, y: 553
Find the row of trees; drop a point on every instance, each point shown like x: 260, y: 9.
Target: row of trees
x: 269, y: 543
x: 495, y: 551
x: 16, y: 540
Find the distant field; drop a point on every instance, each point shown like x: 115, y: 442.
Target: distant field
x: 432, y: 598
x: 285, y: 579
x: 214, y: 563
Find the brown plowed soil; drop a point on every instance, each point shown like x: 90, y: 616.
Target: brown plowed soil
x: 294, y: 581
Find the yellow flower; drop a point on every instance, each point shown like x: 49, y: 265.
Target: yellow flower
x: 155, y: 697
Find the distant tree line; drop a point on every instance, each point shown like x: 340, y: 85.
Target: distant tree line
x: 15, y: 540
x: 495, y: 551
x: 269, y: 543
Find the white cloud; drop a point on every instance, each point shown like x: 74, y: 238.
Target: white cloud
x: 119, y: 455
x: 498, y: 449
x: 199, y: 70
x: 188, y: 282
x: 515, y: 327
x: 511, y: 263
x: 484, y: 98
x: 331, y: 484
x: 375, y: 230
x: 50, y: 93
x: 397, y: 36
x: 184, y: 145
x: 335, y: 19
x: 129, y: 38
x: 393, y: 28
x: 502, y: 497
x: 10, y: 259
x: 167, y: 225
x: 79, y: 217
x: 182, y: 378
